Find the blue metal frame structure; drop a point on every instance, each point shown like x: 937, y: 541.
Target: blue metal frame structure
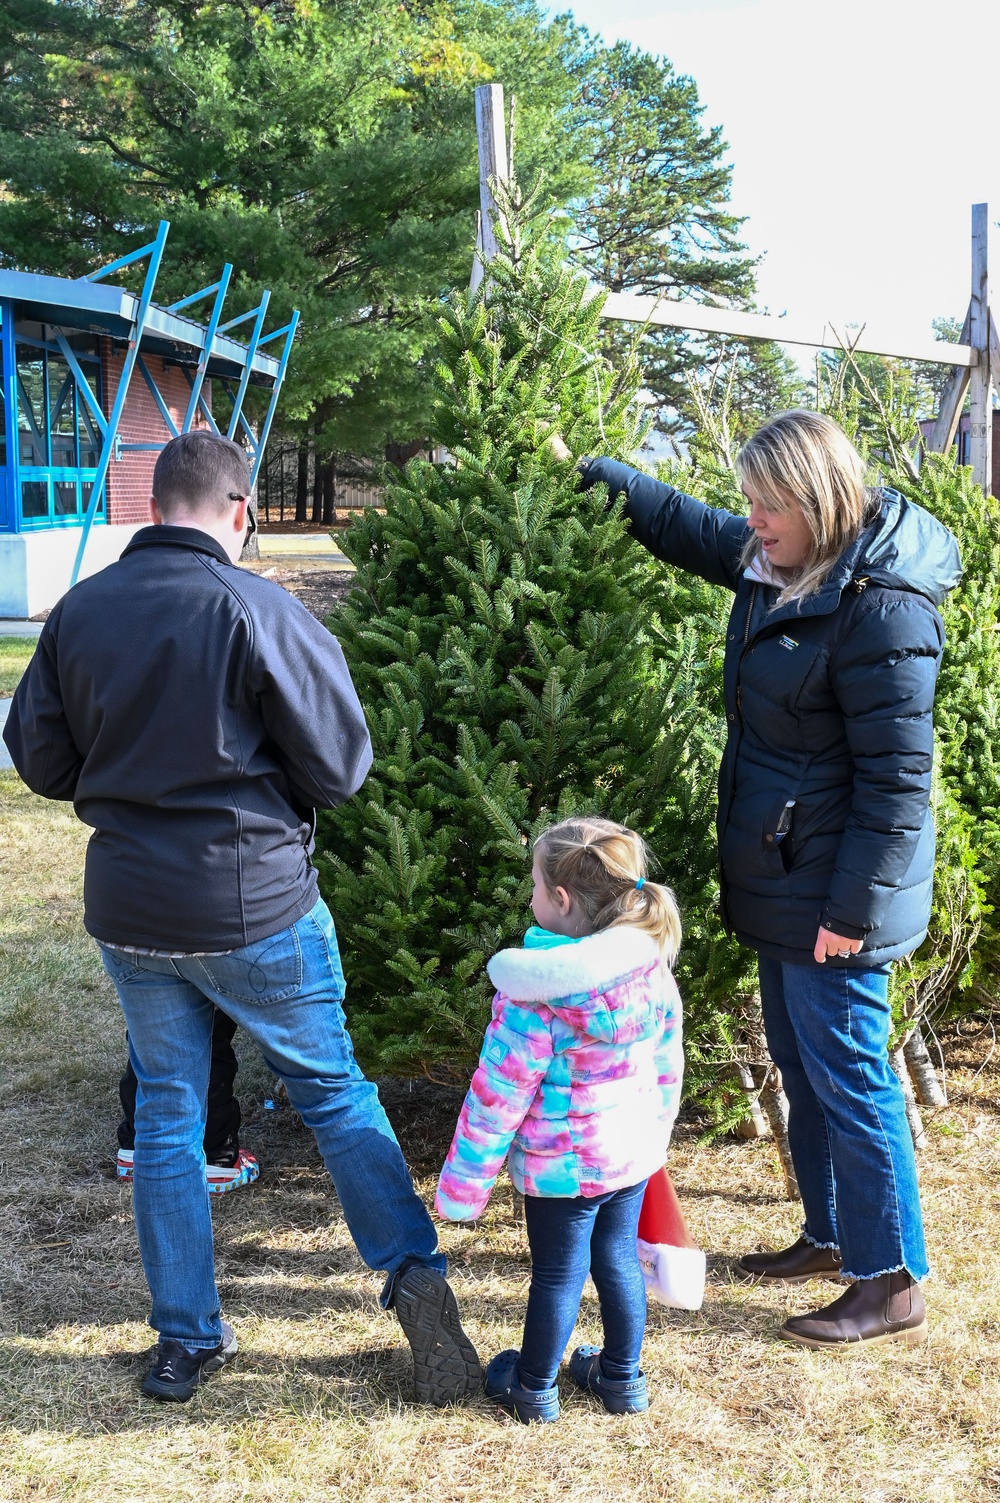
x: 63, y: 306
x: 155, y: 253
x: 8, y: 371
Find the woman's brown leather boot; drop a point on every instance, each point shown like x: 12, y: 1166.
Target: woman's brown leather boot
x: 887, y: 1308
x: 793, y: 1265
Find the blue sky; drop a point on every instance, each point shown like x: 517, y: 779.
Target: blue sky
x: 860, y: 135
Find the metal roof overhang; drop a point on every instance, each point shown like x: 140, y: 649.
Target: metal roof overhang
x: 99, y: 309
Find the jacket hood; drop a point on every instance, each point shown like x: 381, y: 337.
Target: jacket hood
x: 905, y: 548
x: 574, y: 980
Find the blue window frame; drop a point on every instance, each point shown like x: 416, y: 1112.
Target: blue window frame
x: 57, y: 443
x: 49, y: 443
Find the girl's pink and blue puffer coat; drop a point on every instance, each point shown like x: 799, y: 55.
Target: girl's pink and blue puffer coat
x: 579, y: 1075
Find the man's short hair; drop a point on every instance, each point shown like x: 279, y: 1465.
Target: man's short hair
x: 200, y: 472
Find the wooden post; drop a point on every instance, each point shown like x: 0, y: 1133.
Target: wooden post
x: 980, y: 385
x: 492, y: 139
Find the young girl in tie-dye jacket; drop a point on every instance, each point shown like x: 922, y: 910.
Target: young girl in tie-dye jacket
x: 578, y: 1082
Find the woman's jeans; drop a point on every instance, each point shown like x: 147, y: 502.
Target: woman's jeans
x: 828, y: 1030
x: 286, y: 992
x: 570, y: 1238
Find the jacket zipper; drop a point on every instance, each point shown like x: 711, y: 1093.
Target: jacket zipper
x: 723, y: 908
x: 746, y: 638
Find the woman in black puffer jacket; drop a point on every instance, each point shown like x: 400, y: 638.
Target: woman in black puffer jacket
x: 825, y: 835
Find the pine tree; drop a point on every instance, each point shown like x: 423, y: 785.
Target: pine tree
x: 505, y: 640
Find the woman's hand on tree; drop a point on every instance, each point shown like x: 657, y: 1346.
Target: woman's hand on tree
x: 828, y: 943
x: 558, y: 447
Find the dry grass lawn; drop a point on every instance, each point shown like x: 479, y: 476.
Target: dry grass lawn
x: 15, y: 655
x: 319, y: 1406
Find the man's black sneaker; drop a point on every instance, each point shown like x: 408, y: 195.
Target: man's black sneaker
x: 445, y: 1365
x: 177, y: 1370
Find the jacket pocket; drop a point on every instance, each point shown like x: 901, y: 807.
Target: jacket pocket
x: 779, y: 840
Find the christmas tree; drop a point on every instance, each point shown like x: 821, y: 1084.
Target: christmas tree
x: 505, y: 639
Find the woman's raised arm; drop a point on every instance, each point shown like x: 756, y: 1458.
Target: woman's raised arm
x: 674, y: 527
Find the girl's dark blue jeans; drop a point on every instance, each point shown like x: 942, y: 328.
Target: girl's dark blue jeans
x: 570, y: 1238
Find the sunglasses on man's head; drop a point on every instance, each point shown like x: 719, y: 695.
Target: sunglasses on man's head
x: 251, y: 519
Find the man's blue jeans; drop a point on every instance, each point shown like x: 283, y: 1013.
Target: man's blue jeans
x: 828, y: 1030
x: 569, y: 1238
x: 286, y: 992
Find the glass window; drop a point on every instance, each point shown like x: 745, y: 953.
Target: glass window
x: 89, y: 442
x: 62, y: 416
x: 3, y: 430
x: 86, y: 488
x: 65, y: 498
x: 31, y: 405
x: 34, y: 498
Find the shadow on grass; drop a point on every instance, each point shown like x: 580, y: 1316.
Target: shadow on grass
x: 102, y: 1395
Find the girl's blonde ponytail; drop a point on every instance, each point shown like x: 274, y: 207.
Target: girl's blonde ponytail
x: 603, y: 865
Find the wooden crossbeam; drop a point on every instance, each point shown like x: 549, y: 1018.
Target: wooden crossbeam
x: 634, y: 307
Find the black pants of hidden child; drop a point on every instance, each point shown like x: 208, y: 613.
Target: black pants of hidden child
x: 222, y: 1123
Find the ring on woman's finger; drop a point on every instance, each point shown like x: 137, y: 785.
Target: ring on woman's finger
x: 844, y: 953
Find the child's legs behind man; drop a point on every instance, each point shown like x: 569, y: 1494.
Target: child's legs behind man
x: 617, y: 1275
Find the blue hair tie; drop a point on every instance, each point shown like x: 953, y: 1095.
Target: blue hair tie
x: 638, y: 885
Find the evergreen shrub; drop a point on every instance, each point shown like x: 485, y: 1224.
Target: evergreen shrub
x: 506, y: 641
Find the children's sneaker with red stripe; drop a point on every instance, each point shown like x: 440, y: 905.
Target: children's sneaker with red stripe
x: 221, y: 1177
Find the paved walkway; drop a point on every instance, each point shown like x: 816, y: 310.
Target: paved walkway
x: 9, y: 628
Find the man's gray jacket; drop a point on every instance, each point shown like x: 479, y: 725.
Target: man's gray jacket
x: 196, y: 715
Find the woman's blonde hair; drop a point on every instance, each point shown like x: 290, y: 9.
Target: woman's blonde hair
x: 599, y: 863
x: 805, y: 459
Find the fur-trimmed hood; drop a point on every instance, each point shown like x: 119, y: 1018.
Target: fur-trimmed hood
x: 575, y: 980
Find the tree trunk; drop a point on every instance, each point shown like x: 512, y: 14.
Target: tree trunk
x: 754, y: 1124
x: 775, y: 1104
x: 302, y: 484
x: 929, y: 1088
x: 317, y: 506
x: 897, y: 1060
x: 329, y: 493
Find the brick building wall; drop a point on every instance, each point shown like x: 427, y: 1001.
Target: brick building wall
x: 130, y: 478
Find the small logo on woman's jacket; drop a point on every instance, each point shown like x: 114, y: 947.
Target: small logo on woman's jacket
x: 789, y: 643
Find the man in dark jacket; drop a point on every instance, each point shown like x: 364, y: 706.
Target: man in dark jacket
x: 197, y: 715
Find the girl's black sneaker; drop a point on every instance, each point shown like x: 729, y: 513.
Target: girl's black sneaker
x: 178, y: 1370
